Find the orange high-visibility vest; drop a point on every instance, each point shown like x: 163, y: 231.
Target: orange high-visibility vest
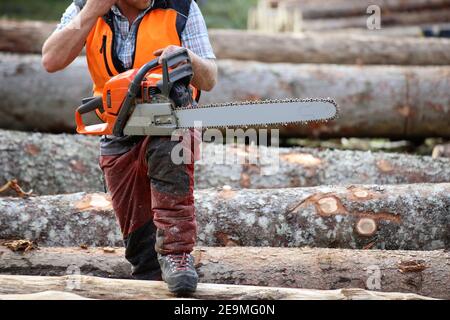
x: 160, y: 27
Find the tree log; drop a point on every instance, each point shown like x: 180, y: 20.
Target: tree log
x: 24, y: 36
x: 420, y: 272
x: 58, y: 164
x: 383, y: 101
x: 339, y: 48
x: 388, y: 19
x: 405, y: 217
x: 114, y: 289
x: 330, y: 48
x: 442, y: 150
x: 375, y: 101
x: 313, y: 9
x: 50, y: 164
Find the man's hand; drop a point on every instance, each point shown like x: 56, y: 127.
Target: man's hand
x: 98, y: 8
x: 162, y: 53
x: 205, y: 70
x: 62, y: 47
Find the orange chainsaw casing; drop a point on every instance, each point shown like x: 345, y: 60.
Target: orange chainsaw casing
x: 114, y: 93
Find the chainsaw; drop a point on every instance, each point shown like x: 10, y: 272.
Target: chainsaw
x: 157, y: 99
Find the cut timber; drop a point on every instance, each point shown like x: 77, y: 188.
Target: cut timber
x: 50, y: 164
x: 24, y: 36
x: 334, y: 47
x: 408, y: 217
x: 58, y: 164
x: 375, y: 101
x: 112, y: 289
x: 323, y: 269
x: 442, y: 150
x: 387, y: 19
x: 314, y: 9
x: 344, y: 48
x: 44, y: 295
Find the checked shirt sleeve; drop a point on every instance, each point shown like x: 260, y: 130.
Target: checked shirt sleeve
x: 70, y: 13
x: 195, y: 35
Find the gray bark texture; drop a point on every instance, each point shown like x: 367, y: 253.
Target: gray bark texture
x: 420, y: 272
x: 375, y: 101
x: 58, y: 164
x: 24, y: 36
x: 332, y: 48
x: 115, y: 289
x: 313, y: 9
x: 403, y: 217
x: 388, y: 19
x: 347, y: 47
x: 50, y: 164
x: 442, y: 150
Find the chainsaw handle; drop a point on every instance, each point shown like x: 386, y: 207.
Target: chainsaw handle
x: 167, y: 62
x: 90, y: 106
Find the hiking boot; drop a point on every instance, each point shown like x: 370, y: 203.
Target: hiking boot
x: 178, y: 272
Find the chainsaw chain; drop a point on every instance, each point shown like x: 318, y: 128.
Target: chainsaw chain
x: 271, y: 101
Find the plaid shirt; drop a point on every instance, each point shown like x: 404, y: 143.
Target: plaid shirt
x: 194, y: 37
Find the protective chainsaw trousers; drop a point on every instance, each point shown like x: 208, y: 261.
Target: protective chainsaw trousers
x: 153, y: 201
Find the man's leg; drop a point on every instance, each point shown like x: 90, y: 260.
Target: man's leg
x: 128, y: 183
x: 172, y: 191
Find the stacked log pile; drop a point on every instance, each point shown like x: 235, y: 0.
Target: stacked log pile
x: 297, y: 223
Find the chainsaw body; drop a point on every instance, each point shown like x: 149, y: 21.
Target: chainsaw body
x: 138, y: 101
x: 157, y: 100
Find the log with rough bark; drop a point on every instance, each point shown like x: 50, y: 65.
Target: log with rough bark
x: 406, y: 217
x: 24, y: 36
x: 50, y: 164
x: 339, y: 48
x: 330, y: 48
x: 114, y: 289
x: 442, y: 150
x: 388, y: 19
x: 383, y: 101
x: 375, y: 101
x: 313, y: 9
x: 420, y: 272
x: 58, y: 164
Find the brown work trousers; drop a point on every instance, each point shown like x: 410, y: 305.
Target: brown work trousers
x: 153, y: 199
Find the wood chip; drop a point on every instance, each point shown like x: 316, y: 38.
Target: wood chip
x: 20, y: 245
x: 411, y: 266
x: 109, y: 250
x: 14, y: 185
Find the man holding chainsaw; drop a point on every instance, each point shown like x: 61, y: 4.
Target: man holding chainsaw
x: 151, y: 195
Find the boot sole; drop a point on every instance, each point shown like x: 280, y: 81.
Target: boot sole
x: 182, y: 287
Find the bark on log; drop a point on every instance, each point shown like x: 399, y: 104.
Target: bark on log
x: 339, y: 48
x: 387, y: 20
x: 24, y: 36
x: 406, y: 217
x: 375, y: 101
x: 44, y: 295
x: 330, y: 48
x: 59, y: 164
x: 420, y: 272
x: 313, y: 9
x: 425, y: 30
x: 114, y: 289
x: 442, y: 150
x: 50, y: 164
x: 383, y: 101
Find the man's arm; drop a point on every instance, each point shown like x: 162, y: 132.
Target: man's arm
x: 64, y: 45
x: 195, y: 39
x: 205, y: 70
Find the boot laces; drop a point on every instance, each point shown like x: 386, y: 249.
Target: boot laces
x: 180, y: 261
